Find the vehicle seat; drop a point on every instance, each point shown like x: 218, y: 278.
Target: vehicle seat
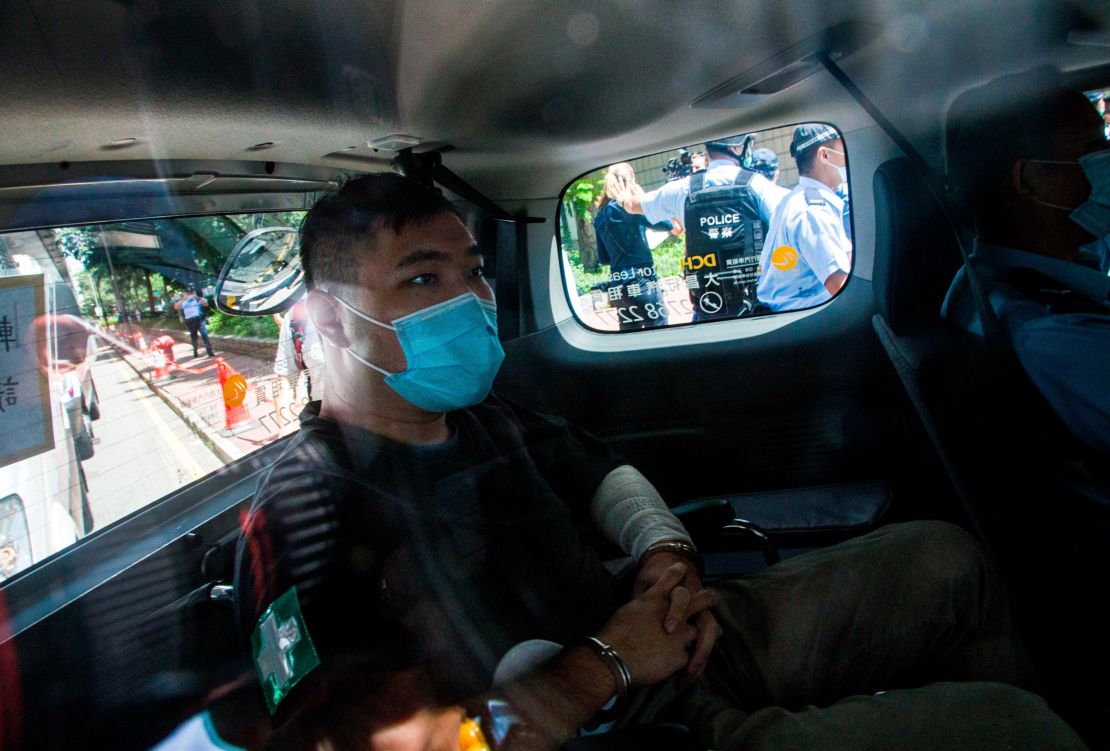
x: 1003, y: 449
x: 915, y: 260
x: 760, y: 528
x: 1005, y: 453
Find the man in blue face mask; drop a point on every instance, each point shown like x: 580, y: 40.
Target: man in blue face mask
x: 419, y: 514
x: 451, y: 497
x: 1023, y: 166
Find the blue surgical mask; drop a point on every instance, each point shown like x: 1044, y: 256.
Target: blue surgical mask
x: 1093, y: 214
x: 451, y: 350
x: 1098, y: 254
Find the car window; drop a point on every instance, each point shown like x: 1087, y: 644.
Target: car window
x: 120, y: 382
x: 1098, y: 99
x: 742, y: 226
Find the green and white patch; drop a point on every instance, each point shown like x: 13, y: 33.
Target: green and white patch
x: 282, y: 648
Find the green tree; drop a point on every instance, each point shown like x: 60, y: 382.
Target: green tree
x: 196, y: 245
x: 583, y: 198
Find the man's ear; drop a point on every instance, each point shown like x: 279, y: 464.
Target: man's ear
x: 323, y: 312
x: 1018, y: 182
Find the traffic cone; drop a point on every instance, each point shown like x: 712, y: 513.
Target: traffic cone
x: 234, y: 387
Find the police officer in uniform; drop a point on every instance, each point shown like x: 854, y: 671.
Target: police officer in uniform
x: 191, y: 306
x: 725, y: 210
x: 807, y: 256
x: 766, y: 163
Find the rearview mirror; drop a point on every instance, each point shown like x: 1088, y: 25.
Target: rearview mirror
x: 263, y: 274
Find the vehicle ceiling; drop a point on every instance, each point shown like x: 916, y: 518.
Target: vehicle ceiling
x: 526, y: 94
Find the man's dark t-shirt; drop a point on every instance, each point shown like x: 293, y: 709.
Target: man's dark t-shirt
x: 457, y: 551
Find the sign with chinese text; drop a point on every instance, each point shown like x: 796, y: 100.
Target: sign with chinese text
x: 25, y: 423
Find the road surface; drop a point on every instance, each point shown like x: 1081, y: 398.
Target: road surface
x: 144, y: 451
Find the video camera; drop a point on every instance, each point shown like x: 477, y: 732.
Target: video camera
x: 680, y: 166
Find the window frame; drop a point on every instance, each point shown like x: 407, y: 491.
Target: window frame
x: 47, y: 586
x: 563, y: 262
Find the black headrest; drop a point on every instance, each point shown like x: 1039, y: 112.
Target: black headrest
x: 915, y: 252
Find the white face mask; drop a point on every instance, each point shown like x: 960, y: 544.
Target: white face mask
x: 1093, y: 215
x: 1049, y: 204
x: 842, y: 172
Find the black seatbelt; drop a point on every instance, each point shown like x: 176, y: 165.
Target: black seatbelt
x: 509, y: 280
x: 515, y: 315
x: 996, y: 341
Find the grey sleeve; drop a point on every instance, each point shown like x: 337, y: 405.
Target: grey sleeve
x: 629, y: 511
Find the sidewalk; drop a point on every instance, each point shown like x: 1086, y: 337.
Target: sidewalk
x: 193, y: 391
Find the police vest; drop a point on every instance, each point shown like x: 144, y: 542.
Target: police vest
x: 724, y: 237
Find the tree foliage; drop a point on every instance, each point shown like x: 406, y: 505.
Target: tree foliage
x: 188, y: 250
x: 584, y: 195
x: 582, y: 199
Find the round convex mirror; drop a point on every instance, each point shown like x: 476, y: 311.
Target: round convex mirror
x: 263, y: 274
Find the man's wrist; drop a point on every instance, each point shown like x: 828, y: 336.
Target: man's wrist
x: 622, y: 677
x: 681, y: 548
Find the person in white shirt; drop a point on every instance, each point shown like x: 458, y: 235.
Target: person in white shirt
x: 299, y: 349
x: 192, y: 308
x: 807, y: 256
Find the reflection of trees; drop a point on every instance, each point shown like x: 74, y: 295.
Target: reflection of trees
x: 152, y: 255
x: 116, y: 272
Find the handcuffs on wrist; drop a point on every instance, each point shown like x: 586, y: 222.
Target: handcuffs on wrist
x: 675, y: 547
x: 496, y: 720
x: 621, y: 677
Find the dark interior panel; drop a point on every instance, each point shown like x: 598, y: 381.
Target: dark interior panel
x: 810, y: 403
x: 142, y: 651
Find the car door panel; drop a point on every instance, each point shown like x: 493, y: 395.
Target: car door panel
x: 784, y: 409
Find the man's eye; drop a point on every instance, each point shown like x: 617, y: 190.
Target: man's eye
x: 478, y: 271
x: 423, y: 279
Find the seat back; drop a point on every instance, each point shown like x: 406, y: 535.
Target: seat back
x: 915, y: 252
x: 994, y: 433
x: 1026, y: 492
x: 916, y: 258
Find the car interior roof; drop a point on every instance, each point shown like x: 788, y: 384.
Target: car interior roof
x: 251, y: 106
x: 521, y: 96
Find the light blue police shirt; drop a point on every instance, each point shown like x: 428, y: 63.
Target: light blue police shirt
x: 1066, y: 355
x: 191, y: 308
x: 669, y: 200
x: 817, y: 246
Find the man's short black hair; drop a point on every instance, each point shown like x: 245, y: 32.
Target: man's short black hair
x: 805, y: 161
x: 343, y: 222
x: 990, y: 127
x: 807, y: 139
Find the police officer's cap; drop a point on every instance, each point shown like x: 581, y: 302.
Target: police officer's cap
x: 727, y: 143
x: 810, y: 136
x: 765, y: 161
